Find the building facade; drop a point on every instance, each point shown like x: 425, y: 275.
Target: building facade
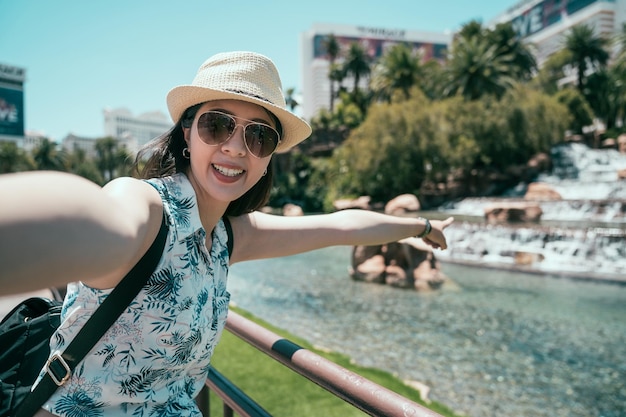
x: 135, y: 131
x: 72, y: 142
x: 315, y: 64
x: 545, y: 23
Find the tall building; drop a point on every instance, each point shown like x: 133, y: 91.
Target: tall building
x: 315, y: 64
x: 545, y: 23
x: 135, y: 131
x: 12, y: 103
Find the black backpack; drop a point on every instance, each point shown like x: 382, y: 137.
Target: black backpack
x: 24, y: 348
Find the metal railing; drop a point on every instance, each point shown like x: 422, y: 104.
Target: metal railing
x: 353, y: 388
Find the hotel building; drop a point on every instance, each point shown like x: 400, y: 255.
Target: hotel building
x: 315, y: 64
x: 546, y: 23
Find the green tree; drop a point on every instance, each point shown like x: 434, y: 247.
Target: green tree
x: 580, y: 111
x: 47, y: 156
x: 13, y: 159
x: 357, y: 64
x: 484, y: 61
x: 113, y: 160
x: 334, y: 75
x: 403, y: 147
x: 475, y: 67
x: 523, y: 60
x: 620, y: 44
x: 399, y: 69
x: 79, y: 164
x: 606, y: 93
x: 471, y: 29
x: 396, y: 148
x: 433, y: 82
x: 551, y: 72
x: 619, y: 71
x: 536, y: 122
x: 290, y: 100
x: 587, y: 52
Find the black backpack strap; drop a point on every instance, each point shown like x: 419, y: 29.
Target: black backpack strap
x: 60, y: 367
x: 229, y: 232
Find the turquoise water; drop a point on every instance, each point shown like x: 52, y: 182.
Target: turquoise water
x: 494, y: 343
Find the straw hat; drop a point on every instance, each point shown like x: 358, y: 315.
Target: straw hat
x: 245, y: 76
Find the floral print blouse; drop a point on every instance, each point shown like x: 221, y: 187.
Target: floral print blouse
x: 154, y: 360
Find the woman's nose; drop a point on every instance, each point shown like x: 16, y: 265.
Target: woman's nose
x: 236, y: 145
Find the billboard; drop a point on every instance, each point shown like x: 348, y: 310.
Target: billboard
x: 11, y: 112
x: 546, y: 13
x: 375, y: 47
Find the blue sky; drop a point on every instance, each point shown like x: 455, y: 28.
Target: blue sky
x: 84, y: 56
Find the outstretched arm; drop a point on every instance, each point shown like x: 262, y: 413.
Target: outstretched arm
x: 57, y: 228
x: 260, y: 235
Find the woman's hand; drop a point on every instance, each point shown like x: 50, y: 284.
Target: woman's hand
x: 436, y: 238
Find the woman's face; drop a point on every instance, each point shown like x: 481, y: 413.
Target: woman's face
x: 222, y: 173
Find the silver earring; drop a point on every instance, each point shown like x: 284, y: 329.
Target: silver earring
x: 265, y: 172
x: 186, y: 153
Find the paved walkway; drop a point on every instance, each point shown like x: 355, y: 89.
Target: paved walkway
x: 9, y: 301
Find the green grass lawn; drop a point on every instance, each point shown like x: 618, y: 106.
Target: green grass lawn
x: 282, y: 392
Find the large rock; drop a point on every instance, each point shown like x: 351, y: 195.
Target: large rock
x: 621, y: 143
x: 362, y: 202
x: 292, y: 210
x: 368, y: 263
x: 528, y: 258
x: 540, y: 162
x: 409, y: 263
x: 539, y: 191
x: 402, y: 204
x: 515, y: 212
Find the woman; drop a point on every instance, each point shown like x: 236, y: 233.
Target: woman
x: 208, y: 175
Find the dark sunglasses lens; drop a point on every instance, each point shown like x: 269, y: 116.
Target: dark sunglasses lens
x: 215, y: 128
x: 261, y: 140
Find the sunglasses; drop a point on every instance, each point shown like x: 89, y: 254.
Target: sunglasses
x: 215, y: 128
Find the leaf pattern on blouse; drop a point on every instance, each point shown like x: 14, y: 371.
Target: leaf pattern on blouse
x: 155, y: 358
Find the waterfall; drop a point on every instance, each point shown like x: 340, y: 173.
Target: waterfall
x: 582, y: 235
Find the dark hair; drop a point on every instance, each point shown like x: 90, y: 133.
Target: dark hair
x: 163, y: 156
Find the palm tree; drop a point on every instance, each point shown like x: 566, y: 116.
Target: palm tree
x: 588, y: 51
x: 620, y: 43
x: 485, y: 61
x: 619, y: 69
x: 433, y: 79
x: 357, y: 64
x: 47, y: 157
x: 113, y: 160
x: 523, y: 59
x: 471, y: 29
x: 290, y: 100
x: 332, y: 51
x: 398, y: 69
x: 476, y: 67
x: 336, y: 75
x: 79, y: 164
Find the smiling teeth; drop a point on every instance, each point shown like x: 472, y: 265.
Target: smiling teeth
x: 227, y: 171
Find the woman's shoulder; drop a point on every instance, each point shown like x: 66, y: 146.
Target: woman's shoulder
x: 133, y: 188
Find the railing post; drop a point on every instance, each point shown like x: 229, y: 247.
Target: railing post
x: 202, y: 400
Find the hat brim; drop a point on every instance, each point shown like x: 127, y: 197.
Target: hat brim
x: 295, y: 129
